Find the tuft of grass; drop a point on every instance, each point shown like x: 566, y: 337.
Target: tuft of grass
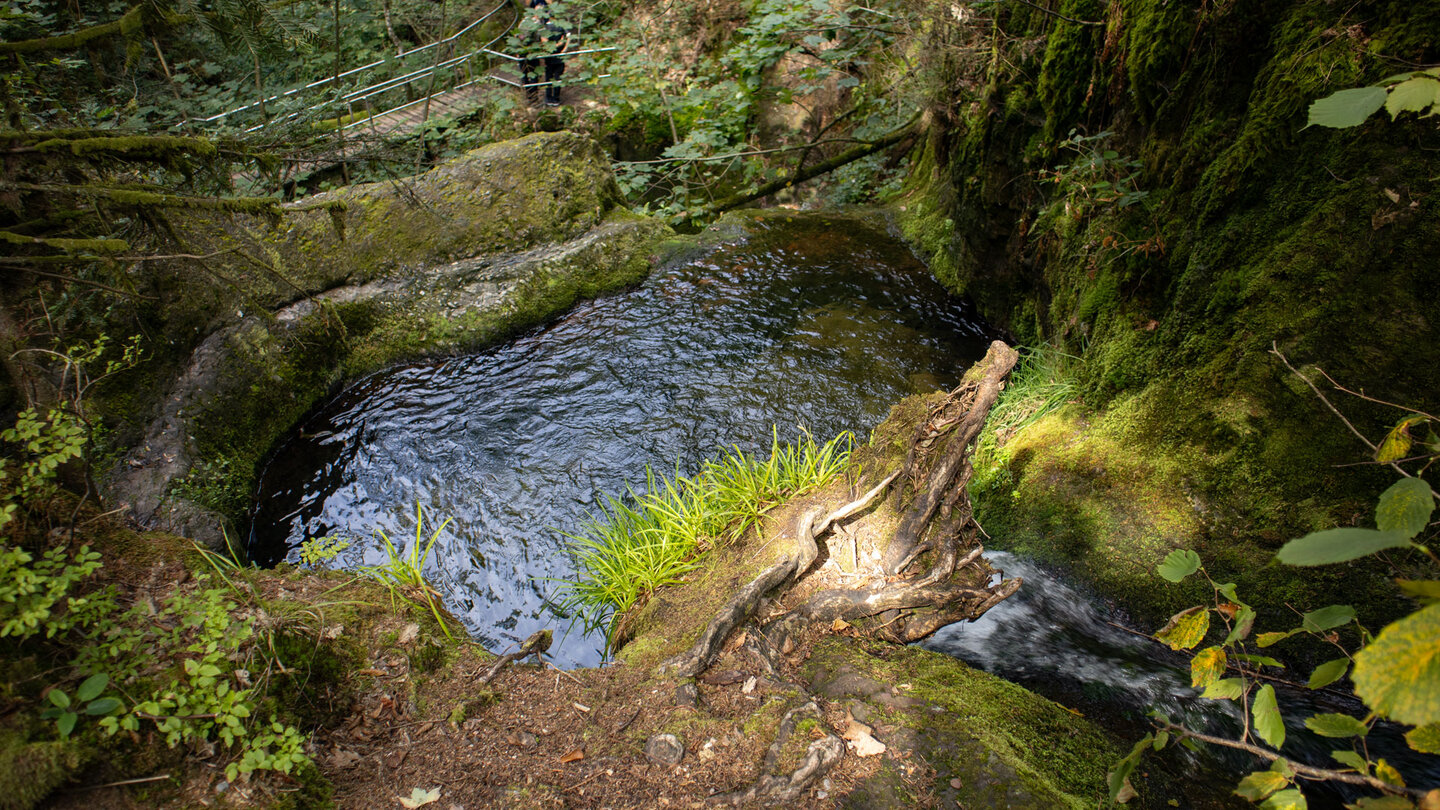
x: 1042, y: 382
x: 404, y: 574
x: 647, y: 541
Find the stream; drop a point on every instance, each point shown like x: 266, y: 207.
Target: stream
x: 798, y: 322
x: 791, y: 324
x: 1074, y: 648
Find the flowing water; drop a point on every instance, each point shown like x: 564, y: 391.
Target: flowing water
x: 815, y: 322
x: 1073, y: 648
x: 804, y: 321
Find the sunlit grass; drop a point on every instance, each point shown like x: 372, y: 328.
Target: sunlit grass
x: 646, y: 541
x: 1042, y: 382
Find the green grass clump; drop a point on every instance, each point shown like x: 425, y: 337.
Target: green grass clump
x: 1042, y: 382
x: 645, y: 541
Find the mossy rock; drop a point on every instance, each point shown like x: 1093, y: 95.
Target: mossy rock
x: 29, y: 771
x: 465, y: 255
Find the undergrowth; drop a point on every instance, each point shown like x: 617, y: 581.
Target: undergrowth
x: 645, y: 541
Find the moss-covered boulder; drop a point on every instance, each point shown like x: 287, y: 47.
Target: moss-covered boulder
x: 495, y: 241
x: 1136, y: 184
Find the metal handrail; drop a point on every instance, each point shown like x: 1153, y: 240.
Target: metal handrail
x: 327, y: 80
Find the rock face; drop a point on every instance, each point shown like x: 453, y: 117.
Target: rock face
x: 495, y: 241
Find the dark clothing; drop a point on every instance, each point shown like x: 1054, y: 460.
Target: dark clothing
x: 553, y: 35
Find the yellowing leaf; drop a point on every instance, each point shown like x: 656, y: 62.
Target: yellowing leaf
x: 1260, y: 784
x: 1185, y: 629
x: 1266, y: 713
x: 1398, y: 675
x: 1386, y: 773
x: 1225, y: 689
x: 1396, y: 444
x: 1425, y: 739
x: 1291, y: 799
x: 1207, y: 667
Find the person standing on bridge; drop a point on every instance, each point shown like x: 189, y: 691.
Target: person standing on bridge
x: 554, y: 38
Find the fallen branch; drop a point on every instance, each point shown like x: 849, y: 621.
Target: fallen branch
x: 848, y: 156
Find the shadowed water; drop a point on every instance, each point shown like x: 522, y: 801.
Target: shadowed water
x: 1066, y: 645
x: 817, y: 322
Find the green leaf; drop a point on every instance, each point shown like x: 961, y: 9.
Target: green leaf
x: 1347, y: 108
x: 1266, y: 714
x: 1206, y: 667
x: 1338, y: 545
x: 1352, y: 759
x: 1244, y: 623
x: 59, y: 698
x: 1162, y: 738
x: 92, y: 687
x: 1260, y: 784
x: 1327, y: 618
x: 1417, y: 94
x: 1328, y: 673
x: 104, y: 705
x: 1291, y: 799
x: 66, y: 723
x: 1259, y: 660
x: 1406, y: 506
x: 1425, y: 739
x: 1398, y: 675
x: 1185, y: 629
x: 1224, y: 689
x: 1118, y: 779
x: 1179, y: 565
x: 1336, y: 725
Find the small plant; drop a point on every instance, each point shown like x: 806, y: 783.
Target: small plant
x: 403, y: 573
x: 628, y: 551
x: 1097, y: 174
x: 1043, y: 382
x: 319, y: 550
x: 88, y: 700
x: 36, y: 595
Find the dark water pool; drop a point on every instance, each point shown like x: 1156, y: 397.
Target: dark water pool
x: 800, y: 321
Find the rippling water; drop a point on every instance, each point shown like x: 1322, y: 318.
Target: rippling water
x: 804, y: 321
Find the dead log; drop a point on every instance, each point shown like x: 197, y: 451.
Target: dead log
x: 998, y: 362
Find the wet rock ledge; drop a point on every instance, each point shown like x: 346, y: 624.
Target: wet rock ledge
x: 276, y: 312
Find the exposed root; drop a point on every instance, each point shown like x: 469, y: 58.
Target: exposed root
x: 535, y: 645
x: 773, y: 789
x: 936, y: 541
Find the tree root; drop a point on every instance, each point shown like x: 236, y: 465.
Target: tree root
x: 535, y: 645
x: 772, y: 789
x: 936, y: 541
